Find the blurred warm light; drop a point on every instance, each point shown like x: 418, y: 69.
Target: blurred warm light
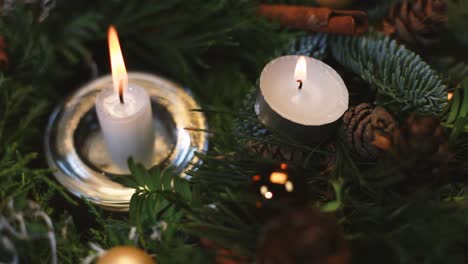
x: 278, y: 177
x: 256, y: 178
x: 289, y: 186
x: 449, y: 96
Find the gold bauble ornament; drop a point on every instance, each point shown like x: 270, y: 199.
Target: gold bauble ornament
x: 335, y: 3
x: 125, y: 255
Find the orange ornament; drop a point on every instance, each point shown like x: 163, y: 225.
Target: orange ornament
x: 125, y: 255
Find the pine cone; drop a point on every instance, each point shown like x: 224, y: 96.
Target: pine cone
x: 3, y: 55
x: 422, y: 141
x: 302, y: 235
x: 223, y: 255
x: 335, y: 3
x: 276, y: 152
x: 416, y: 23
x: 325, y: 161
x: 369, y: 130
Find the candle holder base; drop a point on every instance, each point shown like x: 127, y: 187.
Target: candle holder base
x: 308, y: 135
x: 75, y: 149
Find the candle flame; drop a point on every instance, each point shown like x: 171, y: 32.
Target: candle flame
x: 300, y: 73
x: 119, y: 73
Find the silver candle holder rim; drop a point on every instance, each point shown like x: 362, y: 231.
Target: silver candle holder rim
x: 91, y: 181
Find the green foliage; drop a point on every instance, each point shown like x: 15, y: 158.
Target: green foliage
x: 313, y: 45
x: 458, y: 106
x: 376, y: 9
x: 29, y: 51
x: 399, y: 75
x: 70, y: 246
x: 219, y: 48
x: 227, y: 218
x: 69, y: 40
x: 185, y: 40
x: 17, y: 176
x: 457, y: 13
x: 35, y: 47
x: 17, y: 179
x: 417, y: 231
x: 17, y: 100
x: 452, y: 70
x: 191, y: 43
x: 160, y: 200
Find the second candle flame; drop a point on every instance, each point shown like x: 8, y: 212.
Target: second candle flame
x: 300, y: 73
x: 119, y: 72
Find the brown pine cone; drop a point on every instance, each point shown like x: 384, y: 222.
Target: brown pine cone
x: 369, y: 130
x: 3, y: 55
x: 275, y: 152
x: 293, y: 156
x: 335, y: 3
x: 302, y: 235
x: 416, y: 23
x: 223, y: 255
x: 423, y: 142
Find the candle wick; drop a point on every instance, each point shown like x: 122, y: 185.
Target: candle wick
x: 121, y: 92
x: 300, y: 84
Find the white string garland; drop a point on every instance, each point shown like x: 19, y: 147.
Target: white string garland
x: 19, y: 218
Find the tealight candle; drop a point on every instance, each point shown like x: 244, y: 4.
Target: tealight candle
x: 301, y: 97
x: 124, y: 114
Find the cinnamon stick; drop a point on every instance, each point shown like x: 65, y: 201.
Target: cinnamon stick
x: 317, y: 19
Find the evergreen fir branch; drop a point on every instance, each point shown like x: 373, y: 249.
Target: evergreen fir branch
x: 16, y: 175
x: 58, y: 42
x: 456, y: 116
x: 456, y: 105
x: 457, y: 73
x: 70, y: 246
x: 18, y: 101
x: 220, y: 47
x: 313, y: 45
x: 190, y: 38
x: 452, y: 70
x: 227, y: 222
x: 69, y: 40
x: 376, y: 10
x: 17, y: 179
x: 29, y: 52
x: 457, y: 13
x: 397, y: 73
x: 160, y: 195
x: 393, y: 231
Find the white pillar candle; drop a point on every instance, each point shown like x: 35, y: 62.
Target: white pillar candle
x: 298, y: 95
x: 124, y: 114
x: 127, y: 128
